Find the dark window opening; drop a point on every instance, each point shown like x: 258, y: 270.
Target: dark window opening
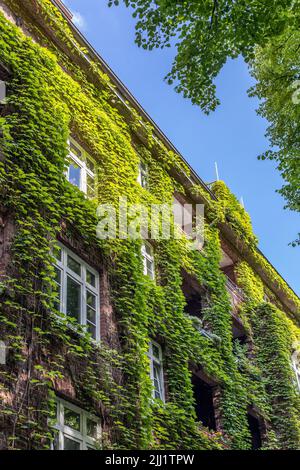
x: 4, y: 73
x: 193, y: 297
x: 241, y: 339
x: 254, y: 428
x: 239, y: 336
x: 227, y: 265
x: 203, y: 393
x: 194, y: 305
x: 229, y: 272
x: 238, y: 331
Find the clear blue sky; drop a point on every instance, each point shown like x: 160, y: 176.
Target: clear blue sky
x: 233, y: 135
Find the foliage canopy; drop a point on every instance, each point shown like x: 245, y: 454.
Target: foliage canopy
x: 207, y: 33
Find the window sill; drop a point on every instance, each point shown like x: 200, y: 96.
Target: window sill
x: 62, y: 319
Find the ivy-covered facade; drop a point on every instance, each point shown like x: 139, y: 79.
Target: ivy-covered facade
x: 110, y: 343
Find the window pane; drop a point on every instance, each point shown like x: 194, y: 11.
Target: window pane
x: 75, y: 150
x: 149, y: 250
x: 91, y: 428
x: 74, y: 265
x: 57, y: 276
x: 74, y: 174
x: 70, y: 444
x: 143, y: 166
x: 157, y: 381
x: 144, y: 181
x: 56, y: 441
x: 155, y: 351
x: 91, y: 299
x: 57, y: 287
x: 149, y: 265
x: 92, y: 330
x: 91, y: 315
x: 57, y: 253
x: 91, y: 186
x: 143, y: 176
x: 72, y: 419
x: 73, y: 299
x: 90, y: 164
x: 90, y: 278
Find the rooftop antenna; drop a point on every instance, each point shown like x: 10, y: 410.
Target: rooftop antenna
x: 217, y: 171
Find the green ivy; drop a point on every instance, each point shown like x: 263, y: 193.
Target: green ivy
x: 46, y: 104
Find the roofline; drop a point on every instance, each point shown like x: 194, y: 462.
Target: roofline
x: 66, y: 13
x: 277, y: 272
x: 197, y: 179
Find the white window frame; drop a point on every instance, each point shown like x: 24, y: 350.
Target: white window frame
x: 81, y: 163
x: 296, y: 368
x: 148, y: 257
x: 86, y: 442
x: 143, y: 174
x: 66, y: 272
x: 158, y: 362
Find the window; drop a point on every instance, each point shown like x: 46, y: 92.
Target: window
x: 78, y: 290
x: 143, y: 175
x: 296, y: 368
x: 156, y: 370
x: 148, y: 260
x: 81, y: 171
x: 204, y: 398
x: 255, y: 431
x: 77, y: 429
x: 192, y: 292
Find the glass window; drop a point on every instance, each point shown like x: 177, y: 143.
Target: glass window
x: 156, y: 370
x: 91, y: 428
x: 90, y: 278
x: 58, y: 287
x: 72, y: 419
x: 75, y: 150
x: 81, y: 170
x: 77, y: 289
x: 76, y: 429
x: 148, y: 260
x: 143, y: 175
x: 90, y: 165
x: 73, y: 299
x: 57, y: 253
x: 74, y: 175
x: 90, y: 187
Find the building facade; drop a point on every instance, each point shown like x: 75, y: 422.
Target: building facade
x: 121, y: 342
